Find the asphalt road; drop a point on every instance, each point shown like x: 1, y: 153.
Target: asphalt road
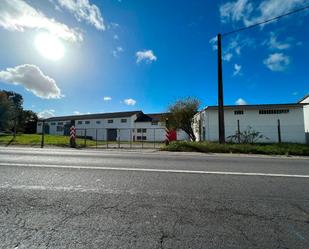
x: 53, y: 198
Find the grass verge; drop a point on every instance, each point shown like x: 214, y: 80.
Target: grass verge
x: 266, y: 149
x: 35, y: 140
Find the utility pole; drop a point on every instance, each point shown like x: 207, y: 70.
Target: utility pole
x: 220, y: 93
x: 43, y: 133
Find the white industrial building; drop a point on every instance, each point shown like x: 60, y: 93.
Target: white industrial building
x: 122, y: 126
x: 285, y: 122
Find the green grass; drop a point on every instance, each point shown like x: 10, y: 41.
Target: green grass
x: 267, y: 149
x: 35, y: 140
x: 64, y: 141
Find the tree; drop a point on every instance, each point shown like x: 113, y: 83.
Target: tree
x: 17, y: 112
x: 6, y: 112
x: 28, y: 121
x: 248, y: 136
x: 180, y: 115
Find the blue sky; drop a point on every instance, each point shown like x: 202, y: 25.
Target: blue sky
x: 143, y: 55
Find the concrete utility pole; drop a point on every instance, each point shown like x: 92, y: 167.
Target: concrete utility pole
x: 220, y: 93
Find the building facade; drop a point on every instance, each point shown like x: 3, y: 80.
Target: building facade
x: 275, y: 122
x: 122, y: 126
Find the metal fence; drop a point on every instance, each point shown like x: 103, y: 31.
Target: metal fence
x: 141, y: 138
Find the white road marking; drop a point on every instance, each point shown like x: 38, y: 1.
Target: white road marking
x: 153, y: 170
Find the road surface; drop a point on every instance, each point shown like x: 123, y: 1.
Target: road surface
x: 62, y: 198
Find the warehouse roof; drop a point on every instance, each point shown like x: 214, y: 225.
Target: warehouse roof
x: 95, y: 116
x: 150, y: 117
x: 263, y: 106
x: 305, y: 97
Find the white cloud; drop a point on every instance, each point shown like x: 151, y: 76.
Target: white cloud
x: 107, y: 98
x: 129, y: 102
x: 84, y: 11
x: 248, y: 12
x: 213, y: 42
x: 234, y: 46
x: 237, y: 70
x: 33, y: 79
x: 241, y: 101
x: 17, y: 15
x: 273, y: 43
x: 117, y: 51
x: 235, y: 11
x: 277, y: 62
x: 46, y: 113
x: 146, y: 55
x: 227, y: 56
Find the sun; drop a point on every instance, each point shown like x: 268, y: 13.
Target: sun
x: 49, y: 46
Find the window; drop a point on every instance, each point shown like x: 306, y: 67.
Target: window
x: 80, y: 122
x: 123, y: 120
x: 273, y: 111
x: 144, y: 130
x: 87, y: 122
x: 59, y: 128
x: 141, y: 130
x: 98, y: 122
x: 110, y: 121
x: 53, y: 123
x: 239, y: 112
x: 140, y: 138
x: 60, y: 123
x: 154, y: 123
x: 138, y: 130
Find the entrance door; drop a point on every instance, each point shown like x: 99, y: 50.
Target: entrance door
x: 46, y: 129
x: 111, y: 134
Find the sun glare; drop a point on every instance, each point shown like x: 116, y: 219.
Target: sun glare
x: 49, y: 46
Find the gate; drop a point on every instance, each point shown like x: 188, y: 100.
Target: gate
x: 111, y: 134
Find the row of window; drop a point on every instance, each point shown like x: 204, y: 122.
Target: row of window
x: 141, y: 138
x: 141, y: 130
x: 262, y: 112
x: 109, y: 121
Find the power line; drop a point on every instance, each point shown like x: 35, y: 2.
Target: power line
x: 266, y: 21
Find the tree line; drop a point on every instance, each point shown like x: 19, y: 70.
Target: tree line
x: 13, y: 117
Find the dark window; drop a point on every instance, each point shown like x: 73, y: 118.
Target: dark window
x: 274, y: 111
x: 59, y: 128
x: 80, y: 122
x: 60, y: 123
x: 141, y: 130
x: 154, y: 123
x: 123, y: 120
x: 53, y: 123
x: 239, y: 112
x: 110, y: 121
x: 87, y: 122
x: 140, y: 138
x: 98, y: 122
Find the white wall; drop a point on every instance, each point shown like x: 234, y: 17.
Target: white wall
x: 306, y: 117
x: 292, y: 124
x: 124, y: 130
x: 156, y: 132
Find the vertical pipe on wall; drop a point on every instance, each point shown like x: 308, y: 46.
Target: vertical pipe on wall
x: 279, y: 131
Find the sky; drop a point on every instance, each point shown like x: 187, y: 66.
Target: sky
x: 91, y: 56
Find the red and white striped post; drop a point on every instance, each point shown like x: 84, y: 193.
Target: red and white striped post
x: 72, y: 136
x: 167, y: 132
